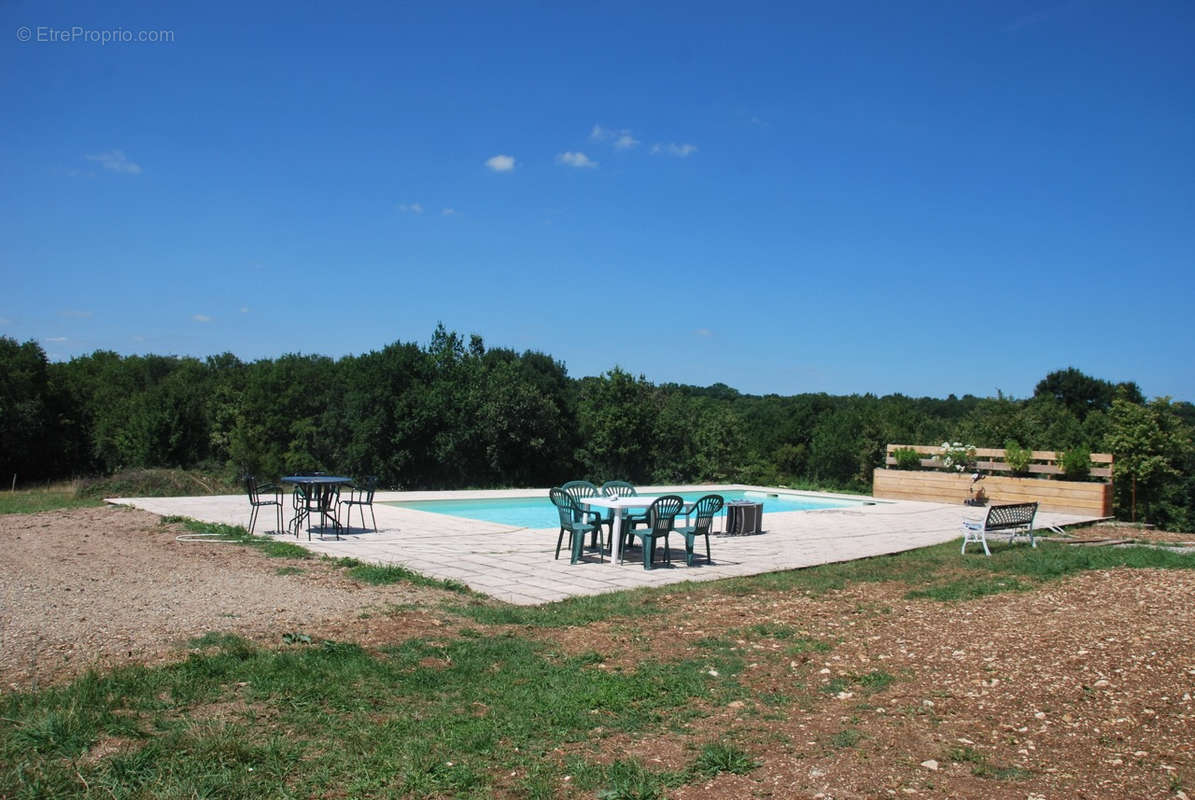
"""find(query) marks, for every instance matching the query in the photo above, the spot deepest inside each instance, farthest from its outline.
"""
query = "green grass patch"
(942, 573)
(967, 589)
(624, 779)
(806, 644)
(289, 571)
(772, 630)
(377, 574)
(719, 757)
(425, 718)
(846, 738)
(212, 531)
(870, 683)
(912, 567)
(566, 613)
(982, 768)
(875, 681)
(49, 498)
(383, 574)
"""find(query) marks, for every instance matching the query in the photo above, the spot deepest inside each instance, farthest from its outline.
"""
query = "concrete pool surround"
(516, 564)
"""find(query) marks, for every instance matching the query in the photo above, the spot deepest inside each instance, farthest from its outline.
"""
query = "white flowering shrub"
(956, 456)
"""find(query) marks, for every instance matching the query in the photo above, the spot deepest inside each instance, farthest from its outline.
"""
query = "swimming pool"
(538, 512)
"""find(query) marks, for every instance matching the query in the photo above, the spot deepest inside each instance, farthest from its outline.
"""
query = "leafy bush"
(907, 458)
(1017, 458)
(1075, 463)
(158, 483)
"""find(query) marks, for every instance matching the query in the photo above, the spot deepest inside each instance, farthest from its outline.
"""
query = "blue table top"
(316, 480)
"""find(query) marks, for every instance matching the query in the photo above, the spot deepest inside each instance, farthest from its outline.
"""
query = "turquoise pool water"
(538, 512)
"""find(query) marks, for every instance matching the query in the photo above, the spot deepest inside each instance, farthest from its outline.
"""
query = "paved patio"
(517, 565)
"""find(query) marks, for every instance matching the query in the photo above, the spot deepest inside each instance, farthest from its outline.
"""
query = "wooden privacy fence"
(991, 459)
(935, 484)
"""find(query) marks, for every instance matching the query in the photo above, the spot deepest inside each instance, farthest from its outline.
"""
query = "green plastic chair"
(579, 490)
(705, 509)
(660, 518)
(630, 521)
(572, 519)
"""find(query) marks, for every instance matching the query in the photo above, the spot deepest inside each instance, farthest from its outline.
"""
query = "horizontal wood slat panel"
(944, 487)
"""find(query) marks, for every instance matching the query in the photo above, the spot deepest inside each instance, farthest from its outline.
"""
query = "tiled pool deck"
(517, 564)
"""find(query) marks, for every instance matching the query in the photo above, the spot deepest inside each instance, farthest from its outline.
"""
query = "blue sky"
(926, 198)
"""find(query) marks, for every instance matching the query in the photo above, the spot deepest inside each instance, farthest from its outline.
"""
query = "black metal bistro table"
(323, 489)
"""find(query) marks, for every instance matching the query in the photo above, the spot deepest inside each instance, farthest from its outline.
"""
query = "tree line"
(456, 414)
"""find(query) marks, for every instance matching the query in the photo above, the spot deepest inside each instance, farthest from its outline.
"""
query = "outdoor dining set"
(585, 509)
(315, 494)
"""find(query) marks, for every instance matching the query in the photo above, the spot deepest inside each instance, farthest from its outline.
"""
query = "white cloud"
(674, 149)
(501, 163)
(116, 161)
(75, 314)
(56, 339)
(410, 208)
(575, 160)
(620, 138)
(244, 309)
(447, 212)
(703, 332)
(201, 318)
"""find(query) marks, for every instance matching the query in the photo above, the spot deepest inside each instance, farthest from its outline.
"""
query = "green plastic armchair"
(577, 522)
(705, 508)
(661, 518)
(630, 521)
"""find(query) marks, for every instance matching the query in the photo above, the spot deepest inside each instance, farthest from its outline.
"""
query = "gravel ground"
(103, 586)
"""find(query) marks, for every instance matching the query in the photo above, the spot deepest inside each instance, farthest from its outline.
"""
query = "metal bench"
(1015, 519)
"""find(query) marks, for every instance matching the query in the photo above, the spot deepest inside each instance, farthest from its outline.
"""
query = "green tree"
(1151, 445)
(616, 417)
(1082, 394)
(720, 441)
(24, 415)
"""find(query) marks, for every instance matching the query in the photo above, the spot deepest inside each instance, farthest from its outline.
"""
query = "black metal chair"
(573, 519)
(257, 499)
(661, 516)
(361, 496)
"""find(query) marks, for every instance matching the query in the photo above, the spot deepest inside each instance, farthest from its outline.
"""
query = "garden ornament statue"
(978, 496)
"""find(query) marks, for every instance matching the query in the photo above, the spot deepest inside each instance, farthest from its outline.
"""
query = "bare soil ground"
(99, 587)
(1080, 688)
